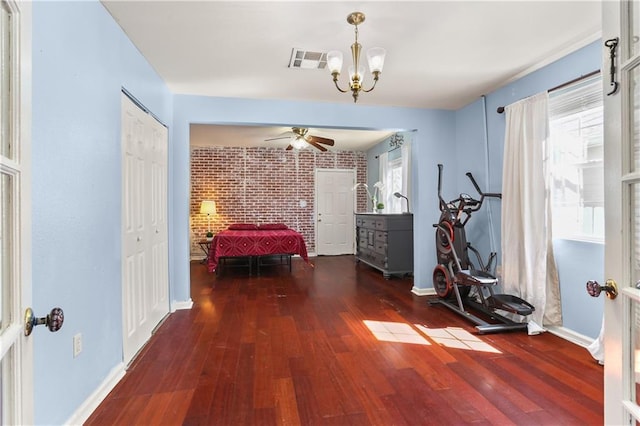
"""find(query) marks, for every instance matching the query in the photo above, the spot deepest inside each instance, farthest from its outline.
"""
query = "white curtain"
(528, 266)
(406, 172)
(384, 196)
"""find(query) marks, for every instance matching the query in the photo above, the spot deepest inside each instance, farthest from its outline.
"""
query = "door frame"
(619, 401)
(17, 349)
(319, 171)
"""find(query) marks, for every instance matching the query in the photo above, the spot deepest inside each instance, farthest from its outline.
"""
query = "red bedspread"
(230, 243)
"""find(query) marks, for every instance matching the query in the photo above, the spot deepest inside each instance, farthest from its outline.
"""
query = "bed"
(251, 244)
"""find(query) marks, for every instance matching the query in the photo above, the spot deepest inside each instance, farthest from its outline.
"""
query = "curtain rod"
(397, 147)
(500, 110)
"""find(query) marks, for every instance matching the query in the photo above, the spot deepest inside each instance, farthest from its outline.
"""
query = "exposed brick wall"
(263, 185)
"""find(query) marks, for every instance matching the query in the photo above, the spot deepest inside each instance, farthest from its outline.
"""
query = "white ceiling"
(203, 135)
(440, 54)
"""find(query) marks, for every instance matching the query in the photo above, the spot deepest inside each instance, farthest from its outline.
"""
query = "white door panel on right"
(144, 226)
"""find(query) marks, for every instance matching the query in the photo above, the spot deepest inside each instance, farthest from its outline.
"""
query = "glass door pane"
(6, 261)
(634, 28)
(6, 148)
(634, 100)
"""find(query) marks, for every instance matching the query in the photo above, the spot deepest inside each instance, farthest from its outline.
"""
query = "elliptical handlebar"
(464, 203)
(482, 194)
(443, 204)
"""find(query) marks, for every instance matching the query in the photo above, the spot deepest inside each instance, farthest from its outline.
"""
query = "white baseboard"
(90, 404)
(423, 291)
(186, 304)
(570, 335)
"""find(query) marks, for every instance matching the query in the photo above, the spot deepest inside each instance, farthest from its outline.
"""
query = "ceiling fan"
(300, 137)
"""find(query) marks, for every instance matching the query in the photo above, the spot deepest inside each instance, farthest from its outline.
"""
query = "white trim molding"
(423, 291)
(179, 305)
(90, 404)
(570, 335)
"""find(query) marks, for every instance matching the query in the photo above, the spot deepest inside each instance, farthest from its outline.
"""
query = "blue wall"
(577, 261)
(81, 59)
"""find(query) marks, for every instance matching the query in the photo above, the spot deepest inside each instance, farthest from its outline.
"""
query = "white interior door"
(334, 211)
(144, 226)
(16, 373)
(158, 229)
(621, 20)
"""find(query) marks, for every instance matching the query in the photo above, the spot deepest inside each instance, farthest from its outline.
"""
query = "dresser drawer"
(379, 259)
(381, 236)
(369, 223)
(368, 256)
(381, 247)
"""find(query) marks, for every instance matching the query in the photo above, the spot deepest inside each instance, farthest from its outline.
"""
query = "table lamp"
(208, 208)
(399, 195)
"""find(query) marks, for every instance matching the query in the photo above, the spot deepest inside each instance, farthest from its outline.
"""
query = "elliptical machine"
(456, 275)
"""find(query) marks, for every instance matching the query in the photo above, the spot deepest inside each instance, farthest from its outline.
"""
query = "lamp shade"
(375, 57)
(334, 61)
(208, 208)
(298, 143)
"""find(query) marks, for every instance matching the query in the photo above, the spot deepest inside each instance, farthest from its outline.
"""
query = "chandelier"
(375, 57)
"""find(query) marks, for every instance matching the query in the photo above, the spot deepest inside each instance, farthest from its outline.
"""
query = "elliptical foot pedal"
(475, 277)
(510, 303)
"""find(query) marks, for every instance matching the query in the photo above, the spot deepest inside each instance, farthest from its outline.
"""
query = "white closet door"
(144, 226)
(159, 300)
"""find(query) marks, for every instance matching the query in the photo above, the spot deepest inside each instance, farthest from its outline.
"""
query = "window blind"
(580, 96)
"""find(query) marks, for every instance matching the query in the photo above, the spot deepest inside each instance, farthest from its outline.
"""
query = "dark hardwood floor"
(299, 348)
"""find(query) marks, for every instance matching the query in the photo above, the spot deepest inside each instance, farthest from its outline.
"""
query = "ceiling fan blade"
(289, 148)
(319, 139)
(275, 139)
(314, 144)
(285, 135)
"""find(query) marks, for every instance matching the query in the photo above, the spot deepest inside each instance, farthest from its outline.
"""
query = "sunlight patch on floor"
(395, 332)
(451, 337)
(458, 338)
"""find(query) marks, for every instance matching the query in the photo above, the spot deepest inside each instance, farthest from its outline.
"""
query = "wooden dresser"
(385, 242)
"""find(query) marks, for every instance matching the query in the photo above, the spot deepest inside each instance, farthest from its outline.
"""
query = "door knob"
(610, 288)
(53, 320)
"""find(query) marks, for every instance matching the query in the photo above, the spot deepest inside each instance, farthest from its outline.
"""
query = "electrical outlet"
(77, 344)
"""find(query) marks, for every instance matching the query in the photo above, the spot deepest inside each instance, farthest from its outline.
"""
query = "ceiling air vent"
(307, 59)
